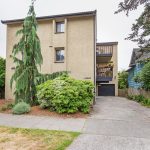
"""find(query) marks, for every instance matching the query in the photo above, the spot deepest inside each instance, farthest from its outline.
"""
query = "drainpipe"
(95, 40)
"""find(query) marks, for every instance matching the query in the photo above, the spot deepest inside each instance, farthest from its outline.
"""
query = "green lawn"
(27, 139)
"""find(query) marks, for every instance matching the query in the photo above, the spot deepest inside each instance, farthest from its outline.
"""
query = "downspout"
(95, 39)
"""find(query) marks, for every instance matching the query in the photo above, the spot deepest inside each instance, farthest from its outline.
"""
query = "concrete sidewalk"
(44, 122)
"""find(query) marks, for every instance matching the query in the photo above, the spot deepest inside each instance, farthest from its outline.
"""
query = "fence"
(132, 91)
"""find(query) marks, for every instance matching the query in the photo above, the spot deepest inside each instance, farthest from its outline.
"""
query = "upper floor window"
(60, 27)
(59, 55)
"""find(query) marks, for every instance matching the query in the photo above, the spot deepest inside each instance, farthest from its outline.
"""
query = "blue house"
(136, 66)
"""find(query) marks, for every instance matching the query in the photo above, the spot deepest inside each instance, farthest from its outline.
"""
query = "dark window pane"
(60, 27)
(59, 55)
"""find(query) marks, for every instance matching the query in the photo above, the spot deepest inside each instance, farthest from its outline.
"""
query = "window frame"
(56, 29)
(59, 49)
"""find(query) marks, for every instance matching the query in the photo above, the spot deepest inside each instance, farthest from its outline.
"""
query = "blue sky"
(110, 27)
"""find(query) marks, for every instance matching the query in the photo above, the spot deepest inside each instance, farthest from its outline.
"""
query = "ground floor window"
(59, 54)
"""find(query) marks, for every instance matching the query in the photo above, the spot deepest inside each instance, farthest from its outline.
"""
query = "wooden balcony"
(104, 74)
(104, 53)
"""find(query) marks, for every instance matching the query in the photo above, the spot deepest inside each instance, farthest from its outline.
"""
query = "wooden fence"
(132, 91)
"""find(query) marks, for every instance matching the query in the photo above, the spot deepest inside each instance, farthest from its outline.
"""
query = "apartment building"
(68, 43)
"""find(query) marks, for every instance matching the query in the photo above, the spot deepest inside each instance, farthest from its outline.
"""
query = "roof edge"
(86, 13)
(107, 43)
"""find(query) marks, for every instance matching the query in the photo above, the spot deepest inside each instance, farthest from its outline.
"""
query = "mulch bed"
(3, 102)
(37, 111)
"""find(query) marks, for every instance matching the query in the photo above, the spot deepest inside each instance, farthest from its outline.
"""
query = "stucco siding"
(80, 58)
(77, 41)
(12, 39)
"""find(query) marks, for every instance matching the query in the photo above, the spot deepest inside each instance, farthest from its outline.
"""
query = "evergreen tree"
(141, 30)
(129, 5)
(26, 68)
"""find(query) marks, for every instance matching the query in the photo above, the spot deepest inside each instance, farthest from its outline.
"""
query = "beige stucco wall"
(115, 68)
(77, 40)
(114, 59)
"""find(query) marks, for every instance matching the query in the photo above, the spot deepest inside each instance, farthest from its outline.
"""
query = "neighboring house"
(68, 43)
(136, 66)
(107, 69)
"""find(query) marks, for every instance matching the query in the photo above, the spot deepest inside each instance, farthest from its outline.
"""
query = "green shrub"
(7, 107)
(145, 76)
(21, 108)
(123, 79)
(140, 99)
(10, 106)
(146, 102)
(3, 108)
(130, 97)
(2, 77)
(66, 95)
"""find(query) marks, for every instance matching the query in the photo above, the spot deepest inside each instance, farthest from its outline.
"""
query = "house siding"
(132, 73)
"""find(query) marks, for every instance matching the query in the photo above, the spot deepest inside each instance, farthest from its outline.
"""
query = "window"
(60, 27)
(59, 55)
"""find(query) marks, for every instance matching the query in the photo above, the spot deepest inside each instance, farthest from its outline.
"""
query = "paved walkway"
(44, 122)
(115, 124)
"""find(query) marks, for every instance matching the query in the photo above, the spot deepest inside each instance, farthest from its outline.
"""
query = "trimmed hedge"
(66, 95)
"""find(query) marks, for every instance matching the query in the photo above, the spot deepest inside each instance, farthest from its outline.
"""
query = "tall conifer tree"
(26, 67)
(129, 5)
(141, 30)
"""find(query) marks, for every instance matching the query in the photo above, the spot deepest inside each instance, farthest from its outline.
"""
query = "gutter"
(87, 13)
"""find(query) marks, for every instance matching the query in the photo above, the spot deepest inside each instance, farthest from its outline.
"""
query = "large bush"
(140, 99)
(123, 80)
(143, 77)
(21, 108)
(2, 77)
(66, 95)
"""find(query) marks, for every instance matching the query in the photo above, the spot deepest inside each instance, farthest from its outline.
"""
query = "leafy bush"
(2, 77)
(144, 76)
(7, 107)
(140, 99)
(10, 106)
(66, 95)
(137, 78)
(130, 97)
(3, 108)
(146, 102)
(21, 108)
(123, 80)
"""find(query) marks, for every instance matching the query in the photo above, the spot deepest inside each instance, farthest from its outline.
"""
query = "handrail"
(104, 50)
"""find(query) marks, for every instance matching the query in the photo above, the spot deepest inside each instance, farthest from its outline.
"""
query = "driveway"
(115, 124)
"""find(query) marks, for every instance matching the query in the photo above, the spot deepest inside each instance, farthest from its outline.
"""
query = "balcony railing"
(104, 51)
(104, 74)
